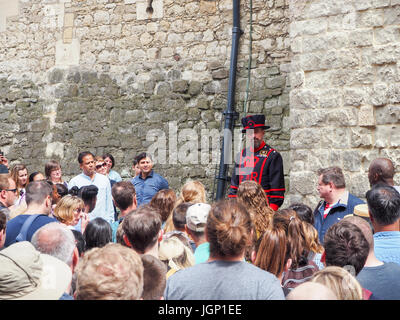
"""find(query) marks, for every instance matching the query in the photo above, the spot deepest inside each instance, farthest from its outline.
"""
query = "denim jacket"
(343, 207)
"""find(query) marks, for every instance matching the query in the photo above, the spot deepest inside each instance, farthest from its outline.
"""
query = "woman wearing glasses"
(112, 174)
(102, 168)
(53, 173)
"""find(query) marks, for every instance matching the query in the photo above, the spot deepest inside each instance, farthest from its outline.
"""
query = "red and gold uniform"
(263, 165)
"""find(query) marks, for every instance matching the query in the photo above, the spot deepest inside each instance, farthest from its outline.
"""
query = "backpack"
(25, 227)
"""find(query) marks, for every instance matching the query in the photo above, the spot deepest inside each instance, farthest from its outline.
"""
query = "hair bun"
(74, 191)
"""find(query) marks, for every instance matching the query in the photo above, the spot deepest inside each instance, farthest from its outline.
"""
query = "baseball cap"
(196, 216)
(27, 274)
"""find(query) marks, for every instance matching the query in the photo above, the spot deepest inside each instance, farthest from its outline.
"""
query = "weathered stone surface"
(344, 86)
(100, 75)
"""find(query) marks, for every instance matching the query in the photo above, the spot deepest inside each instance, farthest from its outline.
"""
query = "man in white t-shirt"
(104, 206)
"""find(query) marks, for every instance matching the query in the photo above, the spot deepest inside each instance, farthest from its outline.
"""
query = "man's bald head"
(381, 170)
(311, 291)
(365, 228)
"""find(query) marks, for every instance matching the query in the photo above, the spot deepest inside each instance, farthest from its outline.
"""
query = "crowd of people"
(102, 237)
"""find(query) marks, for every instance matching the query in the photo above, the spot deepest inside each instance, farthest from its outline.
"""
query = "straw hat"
(27, 274)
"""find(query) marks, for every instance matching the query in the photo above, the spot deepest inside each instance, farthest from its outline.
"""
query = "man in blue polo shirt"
(147, 183)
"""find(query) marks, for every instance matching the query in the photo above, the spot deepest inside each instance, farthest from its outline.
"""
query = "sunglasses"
(12, 190)
(101, 165)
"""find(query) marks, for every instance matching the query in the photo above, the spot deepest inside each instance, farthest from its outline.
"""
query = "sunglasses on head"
(101, 165)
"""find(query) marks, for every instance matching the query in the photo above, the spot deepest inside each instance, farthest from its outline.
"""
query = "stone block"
(335, 137)
(363, 4)
(101, 17)
(304, 138)
(275, 82)
(354, 96)
(346, 116)
(382, 136)
(387, 34)
(180, 86)
(307, 118)
(68, 20)
(351, 160)
(220, 74)
(68, 35)
(212, 87)
(366, 116)
(387, 73)
(67, 54)
(361, 38)
(302, 183)
(389, 114)
(391, 16)
(395, 136)
(379, 94)
(55, 149)
(380, 3)
(370, 18)
(304, 99)
(55, 76)
(360, 137)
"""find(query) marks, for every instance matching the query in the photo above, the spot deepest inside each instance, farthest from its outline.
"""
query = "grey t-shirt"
(383, 281)
(223, 280)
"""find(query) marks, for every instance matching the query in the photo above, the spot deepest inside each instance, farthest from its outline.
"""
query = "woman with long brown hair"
(298, 247)
(164, 201)
(252, 196)
(225, 275)
(19, 173)
(273, 252)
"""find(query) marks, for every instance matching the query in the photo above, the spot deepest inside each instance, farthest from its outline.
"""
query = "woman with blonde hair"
(192, 191)
(341, 282)
(252, 196)
(69, 210)
(175, 255)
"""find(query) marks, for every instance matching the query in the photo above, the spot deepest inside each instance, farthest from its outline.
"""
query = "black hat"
(254, 121)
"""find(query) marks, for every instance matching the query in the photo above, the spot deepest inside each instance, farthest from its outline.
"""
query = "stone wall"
(344, 99)
(102, 75)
